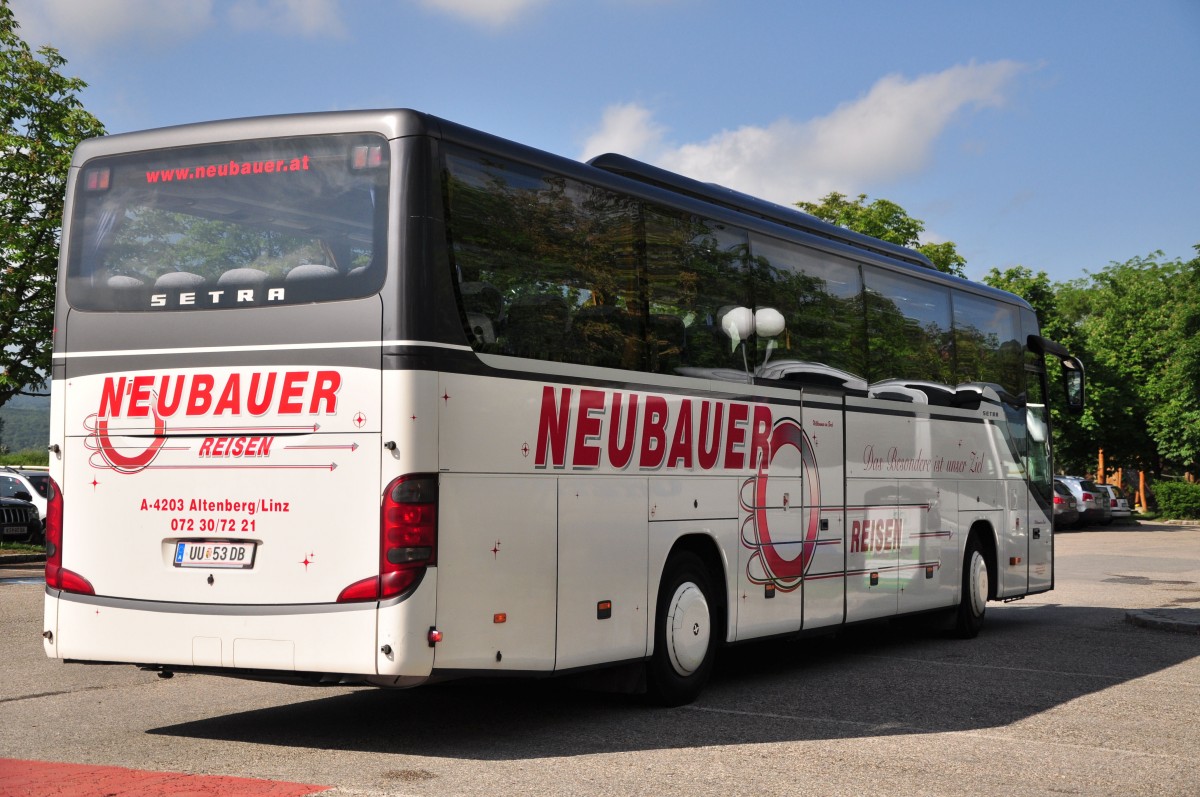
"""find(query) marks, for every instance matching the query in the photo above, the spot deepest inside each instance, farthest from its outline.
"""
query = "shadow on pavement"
(879, 680)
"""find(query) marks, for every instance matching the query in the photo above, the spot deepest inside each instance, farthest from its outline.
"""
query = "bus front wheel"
(685, 639)
(973, 604)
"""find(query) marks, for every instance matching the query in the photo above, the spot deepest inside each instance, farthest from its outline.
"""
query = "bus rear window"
(242, 224)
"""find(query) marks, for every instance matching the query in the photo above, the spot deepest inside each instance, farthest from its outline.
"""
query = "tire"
(685, 633)
(972, 604)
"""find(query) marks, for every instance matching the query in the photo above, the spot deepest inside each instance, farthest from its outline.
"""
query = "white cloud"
(627, 129)
(94, 24)
(885, 134)
(309, 18)
(494, 13)
(91, 25)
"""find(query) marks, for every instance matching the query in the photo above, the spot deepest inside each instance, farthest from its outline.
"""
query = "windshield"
(249, 223)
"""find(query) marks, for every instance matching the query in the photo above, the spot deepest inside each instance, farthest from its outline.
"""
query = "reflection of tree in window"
(820, 299)
(560, 255)
(987, 344)
(694, 270)
(151, 242)
(908, 329)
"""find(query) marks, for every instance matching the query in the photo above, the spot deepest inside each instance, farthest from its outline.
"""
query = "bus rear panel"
(218, 395)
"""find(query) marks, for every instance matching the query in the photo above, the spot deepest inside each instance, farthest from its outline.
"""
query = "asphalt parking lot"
(1062, 693)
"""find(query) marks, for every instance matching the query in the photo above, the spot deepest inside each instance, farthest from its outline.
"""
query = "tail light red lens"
(57, 576)
(1058, 499)
(407, 539)
(1088, 497)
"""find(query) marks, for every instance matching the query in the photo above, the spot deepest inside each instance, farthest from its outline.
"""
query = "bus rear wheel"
(685, 639)
(972, 605)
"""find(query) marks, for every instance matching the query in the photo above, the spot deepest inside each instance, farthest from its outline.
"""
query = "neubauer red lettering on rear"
(227, 401)
(191, 395)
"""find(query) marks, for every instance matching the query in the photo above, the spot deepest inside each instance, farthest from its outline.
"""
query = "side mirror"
(1073, 383)
(1072, 369)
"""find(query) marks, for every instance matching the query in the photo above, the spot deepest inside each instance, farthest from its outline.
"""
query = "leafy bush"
(27, 458)
(1178, 499)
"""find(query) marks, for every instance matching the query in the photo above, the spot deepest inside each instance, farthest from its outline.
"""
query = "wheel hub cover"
(688, 629)
(979, 583)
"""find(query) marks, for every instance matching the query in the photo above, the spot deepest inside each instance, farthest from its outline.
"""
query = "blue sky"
(1058, 134)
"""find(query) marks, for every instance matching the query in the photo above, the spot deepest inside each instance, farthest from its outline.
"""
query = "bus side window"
(483, 305)
(535, 326)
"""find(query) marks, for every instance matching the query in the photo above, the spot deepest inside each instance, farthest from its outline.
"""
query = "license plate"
(15, 531)
(214, 553)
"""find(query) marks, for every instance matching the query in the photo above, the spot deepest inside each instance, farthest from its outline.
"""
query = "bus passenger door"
(1041, 486)
(770, 573)
(824, 508)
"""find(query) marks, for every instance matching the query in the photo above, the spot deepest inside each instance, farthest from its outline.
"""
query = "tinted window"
(987, 342)
(820, 298)
(250, 223)
(555, 269)
(908, 328)
(552, 268)
(547, 267)
(694, 275)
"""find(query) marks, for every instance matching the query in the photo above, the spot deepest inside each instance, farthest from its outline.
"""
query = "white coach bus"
(374, 398)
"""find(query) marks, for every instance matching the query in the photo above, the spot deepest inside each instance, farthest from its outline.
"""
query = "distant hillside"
(29, 402)
(26, 423)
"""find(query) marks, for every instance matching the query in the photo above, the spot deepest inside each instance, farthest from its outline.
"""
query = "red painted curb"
(51, 779)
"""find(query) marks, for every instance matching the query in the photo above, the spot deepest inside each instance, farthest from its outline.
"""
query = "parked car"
(1066, 508)
(1093, 503)
(15, 484)
(20, 522)
(1118, 502)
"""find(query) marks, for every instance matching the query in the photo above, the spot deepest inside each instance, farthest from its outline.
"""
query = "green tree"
(887, 221)
(1142, 321)
(1136, 327)
(1039, 291)
(43, 121)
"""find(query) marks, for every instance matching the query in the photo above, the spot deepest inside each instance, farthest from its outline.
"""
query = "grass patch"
(21, 547)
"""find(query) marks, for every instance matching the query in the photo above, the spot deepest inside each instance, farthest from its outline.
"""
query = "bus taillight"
(57, 576)
(407, 539)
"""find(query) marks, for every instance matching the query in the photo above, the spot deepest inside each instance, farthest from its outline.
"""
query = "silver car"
(1093, 502)
(1118, 503)
(1066, 508)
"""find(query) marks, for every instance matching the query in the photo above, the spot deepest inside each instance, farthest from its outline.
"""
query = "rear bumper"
(315, 643)
(1067, 518)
